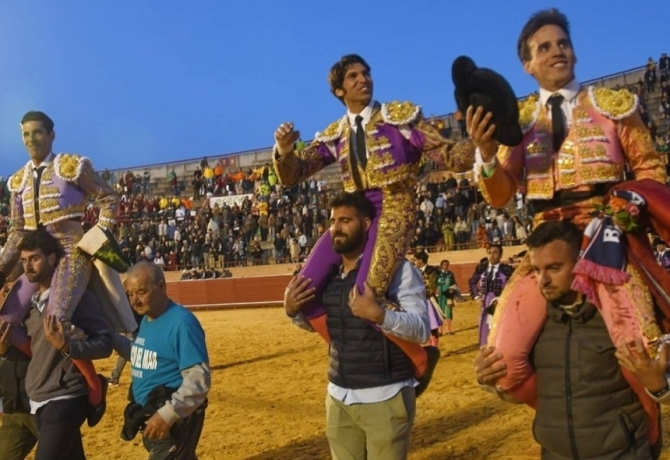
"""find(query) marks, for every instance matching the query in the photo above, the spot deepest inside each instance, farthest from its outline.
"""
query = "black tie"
(361, 152)
(37, 176)
(489, 280)
(557, 121)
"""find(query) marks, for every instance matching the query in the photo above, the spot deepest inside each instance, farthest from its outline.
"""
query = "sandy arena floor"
(268, 389)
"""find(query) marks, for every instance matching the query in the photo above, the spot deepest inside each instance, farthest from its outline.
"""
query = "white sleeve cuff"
(482, 166)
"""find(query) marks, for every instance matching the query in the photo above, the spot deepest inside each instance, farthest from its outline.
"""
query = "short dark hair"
(422, 256)
(444, 260)
(35, 115)
(536, 22)
(562, 230)
(356, 200)
(42, 240)
(496, 245)
(339, 70)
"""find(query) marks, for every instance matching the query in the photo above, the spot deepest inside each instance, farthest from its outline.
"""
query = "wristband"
(659, 394)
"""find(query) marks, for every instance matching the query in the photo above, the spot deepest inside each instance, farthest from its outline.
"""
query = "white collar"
(366, 113)
(569, 92)
(48, 159)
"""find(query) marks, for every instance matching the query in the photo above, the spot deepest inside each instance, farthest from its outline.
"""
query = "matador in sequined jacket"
(67, 184)
(605, 138)
(396, 138)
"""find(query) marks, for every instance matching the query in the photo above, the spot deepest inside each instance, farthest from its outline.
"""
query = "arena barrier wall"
(258, 291)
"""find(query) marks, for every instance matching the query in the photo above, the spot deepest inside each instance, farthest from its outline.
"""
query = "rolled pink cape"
(522, 319)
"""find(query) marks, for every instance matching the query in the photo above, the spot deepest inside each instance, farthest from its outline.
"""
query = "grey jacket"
(585, 407)
(50, 373)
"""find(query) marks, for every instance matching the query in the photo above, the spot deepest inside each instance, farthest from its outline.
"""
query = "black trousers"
(59, 429)
(182, 441)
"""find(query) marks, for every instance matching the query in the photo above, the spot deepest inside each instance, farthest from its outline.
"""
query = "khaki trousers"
(375, 431)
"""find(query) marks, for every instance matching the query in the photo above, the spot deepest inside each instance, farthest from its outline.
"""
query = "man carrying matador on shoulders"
(379, 148)
(52, 191)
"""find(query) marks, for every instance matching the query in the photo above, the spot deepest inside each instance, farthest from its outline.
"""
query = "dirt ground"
(268, 390)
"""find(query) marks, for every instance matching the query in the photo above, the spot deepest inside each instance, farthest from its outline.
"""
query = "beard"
(559, 297)
(33, 277)
(343, 243)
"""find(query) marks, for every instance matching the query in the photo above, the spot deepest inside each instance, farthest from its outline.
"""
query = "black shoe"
(94, 413)
(424, 380)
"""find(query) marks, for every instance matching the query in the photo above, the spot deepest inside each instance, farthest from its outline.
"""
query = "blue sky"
(137, 82)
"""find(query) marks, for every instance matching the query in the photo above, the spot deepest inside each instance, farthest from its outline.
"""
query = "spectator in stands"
(495, 234)
(460, 203)
(218, 170)
(520, 232)
(460, 119)
(146, 178)
(652, 129)
(507, 230)
(462, 231)
(129, 183)
(427, 206)
(197, 177)
(451, 182)
(174, 183)
(294, 250)
(482, 236)
(664, 108)
(280, 248)
(664, 66)
(107, 176)
(665, 89)
(662, 253)
(208, 175)
(302, 241)
(650, 78)
(256, 252)
(159, 260)
(449, 235)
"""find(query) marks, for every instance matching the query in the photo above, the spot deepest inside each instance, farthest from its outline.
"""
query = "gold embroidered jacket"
(67, 184)
(607, 135)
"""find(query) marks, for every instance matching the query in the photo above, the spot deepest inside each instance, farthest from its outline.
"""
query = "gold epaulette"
(400, 113)
(529, 110)
(68, 166)
(614, 104)
(333, 132)
(17, 181)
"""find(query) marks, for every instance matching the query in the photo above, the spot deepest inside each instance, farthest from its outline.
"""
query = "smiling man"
(577, 143)
(379, 148)
(577, 140)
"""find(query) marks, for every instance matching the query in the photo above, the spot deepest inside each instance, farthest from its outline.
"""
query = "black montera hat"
(484, 87)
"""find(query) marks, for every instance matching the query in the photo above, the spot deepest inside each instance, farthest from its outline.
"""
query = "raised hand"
(285, 137)
(477, 122)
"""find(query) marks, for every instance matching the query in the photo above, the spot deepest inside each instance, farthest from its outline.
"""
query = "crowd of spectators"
(274, 224)
(655, 85)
